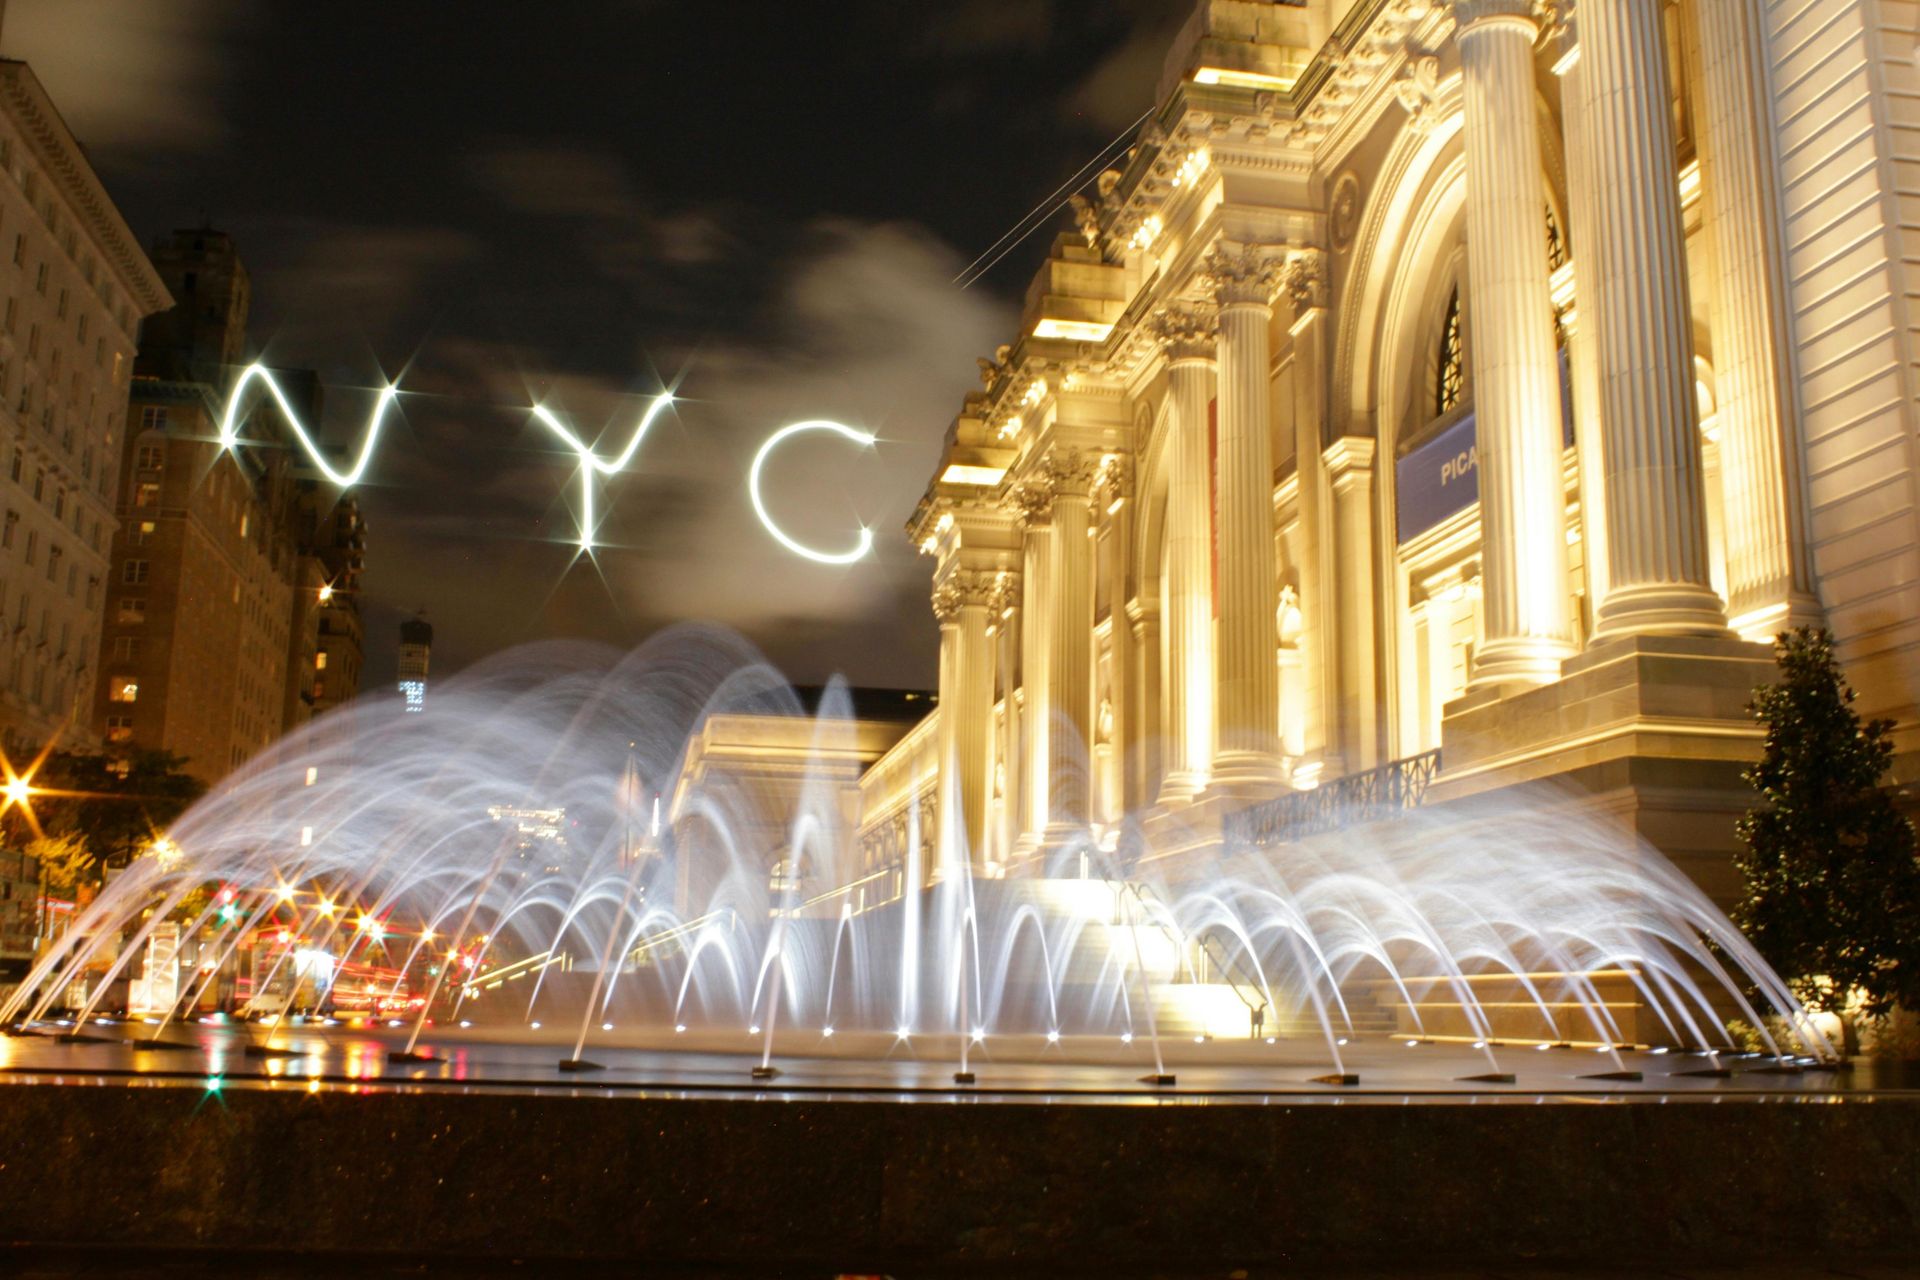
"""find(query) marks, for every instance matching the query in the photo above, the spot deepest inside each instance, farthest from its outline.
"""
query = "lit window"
(1453, 374)
(147, 495)
(119, 728)
(123, 689)
(320, 661)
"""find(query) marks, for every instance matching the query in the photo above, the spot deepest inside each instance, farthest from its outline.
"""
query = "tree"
(118, 804)
(1832, 878)
(65, 862)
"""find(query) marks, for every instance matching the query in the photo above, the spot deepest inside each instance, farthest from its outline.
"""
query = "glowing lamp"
(1073, 330)
(961, 473)
(1242, 79)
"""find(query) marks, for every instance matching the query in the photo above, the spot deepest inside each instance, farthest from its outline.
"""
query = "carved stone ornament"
(1031, 500)
(1006, 594)
(1071, 472)
(1343, 211)
(1115, 481)
(959, 590)
(1242, 273)
(1186, 332)
(1418, 89)
(1305, 279)
(1087, 215)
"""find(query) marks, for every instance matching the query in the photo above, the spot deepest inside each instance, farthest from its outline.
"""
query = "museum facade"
(1438, 397)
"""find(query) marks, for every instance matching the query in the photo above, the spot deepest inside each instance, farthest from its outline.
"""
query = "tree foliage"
(116, 806)
(1832, 879)
(65, 862)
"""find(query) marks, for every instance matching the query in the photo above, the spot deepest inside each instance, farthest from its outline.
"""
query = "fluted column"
(1589, 436)
(1656, 501)
(1113, 513)
(1189, 336)
(966, 706)
(1004, 616)
(1306, 288)
(1769, 565)
(1035, 505)
(1246, 680)
(1070, 644)
(1349, 464)
(1516, 372)
(1143, 692)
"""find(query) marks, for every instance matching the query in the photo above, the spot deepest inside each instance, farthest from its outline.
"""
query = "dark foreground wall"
(927, 1187)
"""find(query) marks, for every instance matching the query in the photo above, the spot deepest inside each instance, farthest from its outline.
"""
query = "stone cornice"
(59, 154)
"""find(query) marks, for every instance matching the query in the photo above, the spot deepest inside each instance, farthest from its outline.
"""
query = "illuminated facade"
(1486, 377)
(73, 288)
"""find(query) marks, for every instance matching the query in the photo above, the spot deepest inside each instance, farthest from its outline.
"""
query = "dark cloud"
(764, 206)
(138, 80)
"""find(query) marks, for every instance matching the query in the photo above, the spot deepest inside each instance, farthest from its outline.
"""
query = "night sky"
(763, 204)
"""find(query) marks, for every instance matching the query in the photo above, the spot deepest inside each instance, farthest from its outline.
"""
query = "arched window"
(1556, 243)
(1453, 379)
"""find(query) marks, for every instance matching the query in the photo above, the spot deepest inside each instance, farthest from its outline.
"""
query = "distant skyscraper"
(416, 643)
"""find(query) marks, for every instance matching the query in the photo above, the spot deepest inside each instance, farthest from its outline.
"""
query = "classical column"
(1034, 501)
(1656, 502)
(1305, 284)
(1004, 612)
(1070, 644)
(1143, 690)
(1247, 702)
(1349, 463)
(1516, 370)
(1769, 564)
(966, 706)
(1113, 510)
(1589, 435)
(1189, 338)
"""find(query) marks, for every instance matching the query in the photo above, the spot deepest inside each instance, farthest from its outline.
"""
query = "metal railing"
(644, 950)
(1359, 797)
(1156, 914)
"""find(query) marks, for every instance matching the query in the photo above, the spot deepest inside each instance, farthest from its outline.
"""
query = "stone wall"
(929, 1188)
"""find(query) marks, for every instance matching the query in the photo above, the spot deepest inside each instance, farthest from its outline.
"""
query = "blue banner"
(1442, 477)
(1438, 479)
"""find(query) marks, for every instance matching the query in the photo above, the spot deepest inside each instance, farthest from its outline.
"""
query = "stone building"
(73, 288)
(1481, 378)
(233, 570)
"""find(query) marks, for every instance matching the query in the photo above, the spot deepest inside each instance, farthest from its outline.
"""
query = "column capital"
(1114, 483)
(1031, 501)
(963, 589)
(1243, 274)
(1304, 278)
(1187, 333)
(1005, 597)
(1349, 454)
(1468, 14)
(1069, 472)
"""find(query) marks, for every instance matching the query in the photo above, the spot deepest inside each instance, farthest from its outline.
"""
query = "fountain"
(531, 856)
